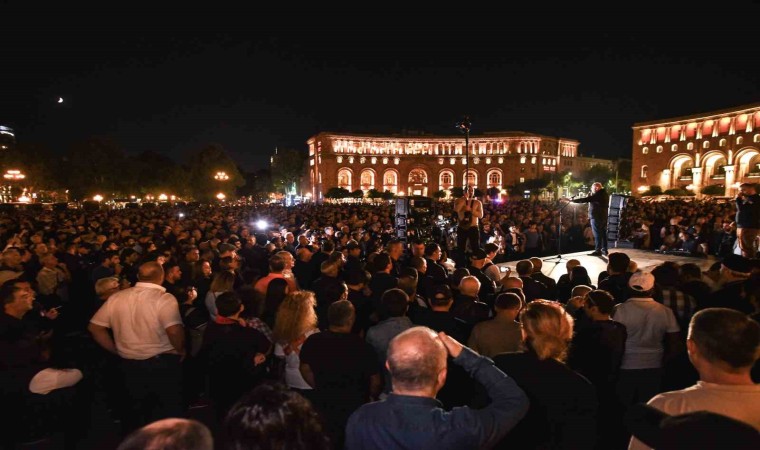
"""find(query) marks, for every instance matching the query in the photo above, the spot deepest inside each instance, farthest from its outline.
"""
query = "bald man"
(170, 433)
(149, 338)
(411, 417)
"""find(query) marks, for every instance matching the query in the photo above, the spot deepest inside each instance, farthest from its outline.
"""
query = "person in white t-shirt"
(653, 337)
(149, 337)
(723, 346)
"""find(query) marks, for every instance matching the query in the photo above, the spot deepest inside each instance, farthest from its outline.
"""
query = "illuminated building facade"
(718, 148)
(423, 164)
(7, 138)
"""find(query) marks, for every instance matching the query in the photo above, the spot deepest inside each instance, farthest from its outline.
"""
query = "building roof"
(417, 136)
(704, 115)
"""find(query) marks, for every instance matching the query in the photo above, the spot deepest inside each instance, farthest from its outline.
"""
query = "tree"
(440, 195)
(258, 185)
(598, 173)
(388, 195)
(714, 189)
(357, 194)
(374, 194)
(335, 193)
(678, 192)
(94, 166)
(457, 191)
(654, 190)
(287, 169)
(204, 164)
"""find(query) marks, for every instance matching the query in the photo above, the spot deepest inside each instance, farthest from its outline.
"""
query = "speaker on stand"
(616, 225)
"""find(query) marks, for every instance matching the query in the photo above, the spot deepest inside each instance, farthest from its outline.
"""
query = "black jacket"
(598, 204)
(748, 211)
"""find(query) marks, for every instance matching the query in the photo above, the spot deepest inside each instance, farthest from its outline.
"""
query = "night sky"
(254, 81)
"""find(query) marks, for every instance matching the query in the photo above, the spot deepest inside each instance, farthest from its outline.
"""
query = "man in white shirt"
(149, 337)
(649, 325)
(723, 346)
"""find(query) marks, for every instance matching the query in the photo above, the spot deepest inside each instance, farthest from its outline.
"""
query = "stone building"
(422, 164)
(692, 152)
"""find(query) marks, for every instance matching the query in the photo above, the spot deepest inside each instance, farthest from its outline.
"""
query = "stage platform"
(646, 259)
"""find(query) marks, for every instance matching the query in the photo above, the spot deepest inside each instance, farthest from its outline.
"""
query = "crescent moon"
(60, 99)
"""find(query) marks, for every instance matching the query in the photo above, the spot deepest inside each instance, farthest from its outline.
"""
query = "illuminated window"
(722, 143)
(522, 160)
(674, 148)
(645, 150)
(739, 140)
(706, 144)
(756, 138)
(522, 180)
(644, 170)
(690, 146)
(533, 160)
(659, 149)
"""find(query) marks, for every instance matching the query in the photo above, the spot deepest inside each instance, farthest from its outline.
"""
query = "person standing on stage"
(747, 219)
(598, 204)
(470, 211)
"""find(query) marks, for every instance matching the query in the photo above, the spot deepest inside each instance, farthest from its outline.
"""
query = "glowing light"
(643, 188)
(690, 187)
(221, 196)
(221, 176)
(14, 175)
(181, 215)
(262, 224)
(173, 197)
(162, 197)
(98, 198)
(24, 199)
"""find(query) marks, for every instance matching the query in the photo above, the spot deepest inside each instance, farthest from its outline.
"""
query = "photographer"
(469, 211)
(747, 219)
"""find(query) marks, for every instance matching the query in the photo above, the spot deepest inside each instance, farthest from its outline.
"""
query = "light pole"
(464, 126)
(13, 175)
(221, 176)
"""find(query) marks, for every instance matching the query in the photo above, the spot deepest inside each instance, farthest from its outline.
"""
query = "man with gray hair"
(598, 205)
(412, 418)
(170, 434)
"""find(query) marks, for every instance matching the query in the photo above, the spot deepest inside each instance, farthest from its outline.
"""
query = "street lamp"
(221, 176)
(221, 196)
(464, 126)
(98, 198)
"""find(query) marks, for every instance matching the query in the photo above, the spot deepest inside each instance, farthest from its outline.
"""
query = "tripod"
(557, 259)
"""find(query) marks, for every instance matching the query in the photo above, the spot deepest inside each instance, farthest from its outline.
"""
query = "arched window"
(756, 138)
(659, 149)
(445, 180)
(645, 150)
(722, 143)
(418, 176)
(494, 178)
(706, 144)
(739, 140)
(674, 148)
(644, 170)
(390, 181)
(471, 178)
(367, 179)
(690, 146)
(344, 179)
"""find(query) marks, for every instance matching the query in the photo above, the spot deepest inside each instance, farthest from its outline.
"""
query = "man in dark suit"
(598, 205)
(532, 288)
(434, 270)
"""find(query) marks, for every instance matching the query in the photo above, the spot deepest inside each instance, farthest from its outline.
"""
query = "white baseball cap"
(641, 281)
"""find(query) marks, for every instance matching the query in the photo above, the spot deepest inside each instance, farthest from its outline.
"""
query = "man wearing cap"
(723, 346)
(649, 325)
(747, 219)
(598, 204)
(734, 292)
(487, 285)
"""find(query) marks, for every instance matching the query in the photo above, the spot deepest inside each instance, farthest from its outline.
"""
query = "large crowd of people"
(317, 326)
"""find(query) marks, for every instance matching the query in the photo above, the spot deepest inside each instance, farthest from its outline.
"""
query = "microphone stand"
(557, 259)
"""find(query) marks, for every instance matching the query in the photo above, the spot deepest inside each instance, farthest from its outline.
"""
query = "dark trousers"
(153, 390)
(471, 234)
(599, 228)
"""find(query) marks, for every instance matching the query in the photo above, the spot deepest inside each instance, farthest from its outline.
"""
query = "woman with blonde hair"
(295, 321)
(222, 282)
(563, 403)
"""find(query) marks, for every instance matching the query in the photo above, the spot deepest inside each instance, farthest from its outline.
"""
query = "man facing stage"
(598, 204)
